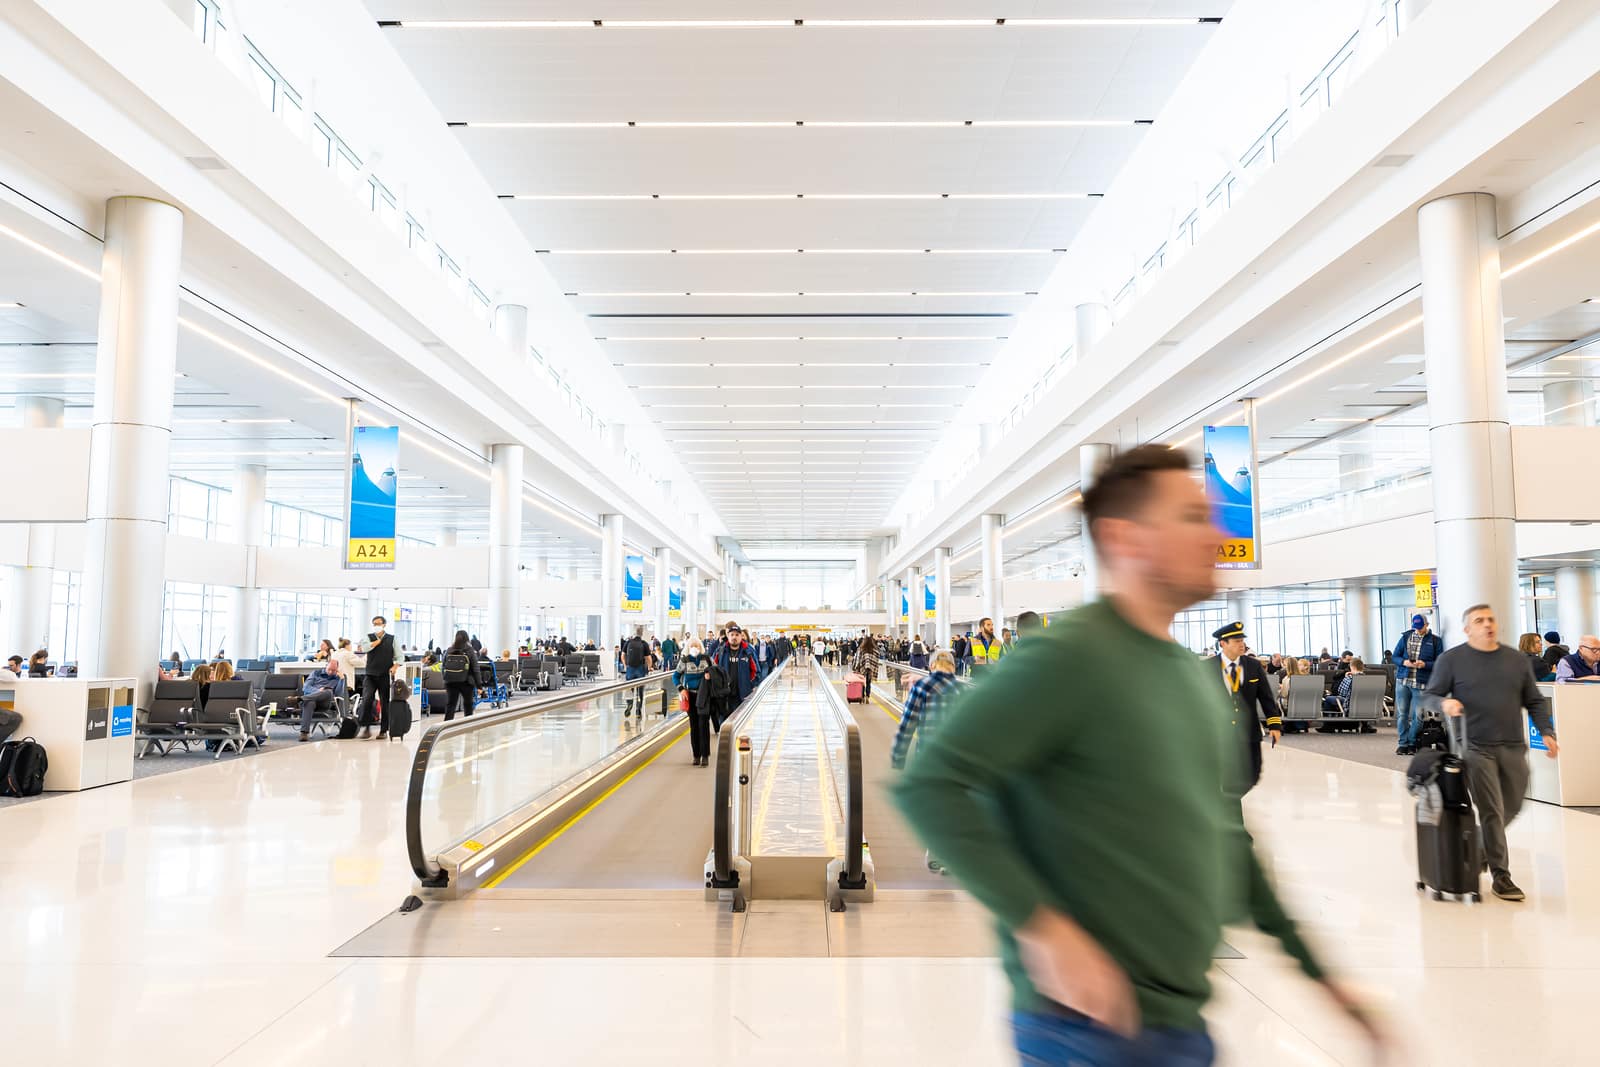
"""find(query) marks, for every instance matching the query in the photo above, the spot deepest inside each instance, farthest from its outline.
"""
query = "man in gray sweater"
(1491, 684)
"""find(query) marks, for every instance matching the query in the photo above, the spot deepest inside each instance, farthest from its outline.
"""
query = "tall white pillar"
(691, 601)
(33, 583)
(505, 546)
(1567, 403)
(1469, 435)
(1092, 459)
(665, 624)
(1360, 633)
(611, 534)
(1093, 322)
(891, 606)
(249, 530)
(1575, 607)
(941, 598)
(130, 440)
(993, 582)
(1239, 601)
(511, 326)
(913, 588)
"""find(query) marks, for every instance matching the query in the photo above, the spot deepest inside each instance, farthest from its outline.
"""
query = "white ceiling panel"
(723, 350)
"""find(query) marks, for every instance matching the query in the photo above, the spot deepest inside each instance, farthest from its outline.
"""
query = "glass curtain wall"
(1299, 627)
(195, 620)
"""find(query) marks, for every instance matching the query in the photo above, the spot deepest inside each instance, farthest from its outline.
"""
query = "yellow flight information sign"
(370, 552)
(1424, 589)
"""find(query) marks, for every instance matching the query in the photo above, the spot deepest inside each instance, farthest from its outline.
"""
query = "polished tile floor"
(189, 919)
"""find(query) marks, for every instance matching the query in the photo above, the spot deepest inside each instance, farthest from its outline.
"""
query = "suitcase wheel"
(1420, 886)
(1437, 895)
(1477, 898)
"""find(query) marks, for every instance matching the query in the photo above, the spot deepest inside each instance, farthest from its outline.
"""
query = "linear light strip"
(824, 124)
(837, 296)
(803, 338)
(696, 197)
(792, 24)
(799, 251)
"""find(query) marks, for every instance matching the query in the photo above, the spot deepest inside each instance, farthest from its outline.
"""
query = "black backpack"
(348, 726)
(23, 764)
(457, 666)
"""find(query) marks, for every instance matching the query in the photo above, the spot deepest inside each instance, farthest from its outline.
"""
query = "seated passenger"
(324, 652)
(1291, 668)
(175, 665)
(1340, 704)
(202, 678)
(38, 664)
(222, 671)
(321, 690)
(1581, 666)
(14, 665)
(1532, 646)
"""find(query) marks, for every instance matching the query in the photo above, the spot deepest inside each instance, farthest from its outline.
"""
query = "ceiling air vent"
(1392, 161)
(206, 163)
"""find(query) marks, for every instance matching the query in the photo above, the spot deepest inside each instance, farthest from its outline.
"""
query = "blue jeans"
(638, 694)
(1407, 712)
(1059, 1039)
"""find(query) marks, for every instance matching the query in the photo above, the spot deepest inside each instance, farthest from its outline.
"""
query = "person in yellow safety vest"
(987, 649)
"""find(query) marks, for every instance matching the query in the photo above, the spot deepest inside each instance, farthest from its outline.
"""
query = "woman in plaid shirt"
(921, 711)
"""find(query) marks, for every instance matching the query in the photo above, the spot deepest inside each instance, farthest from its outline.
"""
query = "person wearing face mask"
(738, 662)
(691, 671)
(1414, 655)
(379, 649)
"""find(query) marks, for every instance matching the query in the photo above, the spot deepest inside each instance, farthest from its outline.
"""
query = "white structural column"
(1567, 403)
(611, 534)
(505, 545)
(1469, 433)
(1239, 601)
(913, 588)
(1093, 322)
(664, 621)
(896, 587)
(445, 630)
(130, 441)
(249, 530)
(33, 584)
(691, 600)
(993, 552)
(1575, 606)
(511, 326)
(1092, 459)
(941, 595)
(1360, 633)
(891, 606)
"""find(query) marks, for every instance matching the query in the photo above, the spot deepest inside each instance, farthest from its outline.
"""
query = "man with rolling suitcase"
(1490, 684)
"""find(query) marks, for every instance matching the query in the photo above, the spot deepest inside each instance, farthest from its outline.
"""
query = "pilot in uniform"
(1247, 683)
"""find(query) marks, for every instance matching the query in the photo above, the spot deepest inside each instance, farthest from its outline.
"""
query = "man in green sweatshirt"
(1095, 809)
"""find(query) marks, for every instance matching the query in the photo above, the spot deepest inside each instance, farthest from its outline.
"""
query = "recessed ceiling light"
(10, 306)
(792, 23)
(840, 295)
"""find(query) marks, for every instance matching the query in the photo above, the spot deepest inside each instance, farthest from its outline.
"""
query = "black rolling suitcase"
(1449, 854)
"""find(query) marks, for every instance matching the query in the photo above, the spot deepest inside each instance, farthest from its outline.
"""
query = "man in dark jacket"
(738, 661)
(1554, 650)
(1414, 655)
(636, 662)
(1249, 689)
(379, 649)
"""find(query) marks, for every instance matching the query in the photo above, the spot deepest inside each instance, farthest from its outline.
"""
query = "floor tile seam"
(270, 1023)
(1221, 965)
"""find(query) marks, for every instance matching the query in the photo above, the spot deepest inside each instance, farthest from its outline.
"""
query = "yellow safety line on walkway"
(595, 803)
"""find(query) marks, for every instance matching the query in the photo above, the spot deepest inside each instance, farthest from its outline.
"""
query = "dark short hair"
(1028, 622)
(984, 620)
(380, 618)
(1118, 491)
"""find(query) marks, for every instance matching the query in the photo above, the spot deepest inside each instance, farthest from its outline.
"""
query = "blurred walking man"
(1110, 871)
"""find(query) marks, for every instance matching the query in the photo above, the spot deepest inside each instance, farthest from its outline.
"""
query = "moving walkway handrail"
(722, 843)
(421, 863)
(854, 821)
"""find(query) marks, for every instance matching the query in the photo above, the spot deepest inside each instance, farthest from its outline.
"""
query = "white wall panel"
(1546, 466)
(57, 475)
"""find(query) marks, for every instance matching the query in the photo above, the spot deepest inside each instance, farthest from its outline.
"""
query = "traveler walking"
(920, 716)
(738, 662)
(1248, 689)
(690, 672)
(380, 665)
(1109, 877)
(987, 649)
(635, 656)
(918, 655)
(460, 669)
(669, 653)
(1491, 684)
(1028, 624)
(961, 649)
(866, 664)
(1583, 665)
(763, 658)
(1415, 653)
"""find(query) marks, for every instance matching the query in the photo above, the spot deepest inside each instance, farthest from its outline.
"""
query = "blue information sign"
(633, 584)
(374, 487)
(122, 720)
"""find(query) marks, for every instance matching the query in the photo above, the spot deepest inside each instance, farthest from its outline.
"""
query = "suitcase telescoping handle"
(1455, 733)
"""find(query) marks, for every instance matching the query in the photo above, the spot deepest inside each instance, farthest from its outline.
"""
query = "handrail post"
(745, 794)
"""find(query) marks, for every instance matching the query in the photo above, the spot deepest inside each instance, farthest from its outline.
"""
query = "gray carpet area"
(1376, 750)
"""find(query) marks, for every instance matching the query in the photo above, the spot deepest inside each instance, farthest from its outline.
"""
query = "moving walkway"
(575, 792)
